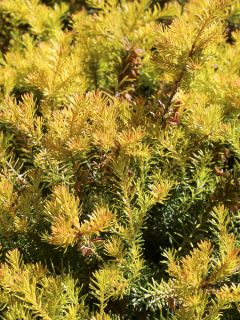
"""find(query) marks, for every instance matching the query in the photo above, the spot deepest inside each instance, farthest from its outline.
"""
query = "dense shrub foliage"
(119, 160)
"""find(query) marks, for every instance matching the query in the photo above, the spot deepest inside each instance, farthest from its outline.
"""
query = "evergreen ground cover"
(119, 160)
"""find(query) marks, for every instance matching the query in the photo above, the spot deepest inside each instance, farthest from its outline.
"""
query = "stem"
(184, 68)
(20, 176)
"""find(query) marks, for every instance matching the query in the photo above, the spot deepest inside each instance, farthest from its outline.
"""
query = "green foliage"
(30, 292)
(119, 145)
(199, 286)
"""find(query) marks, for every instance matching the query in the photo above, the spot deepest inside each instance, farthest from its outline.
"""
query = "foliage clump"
(119, 160)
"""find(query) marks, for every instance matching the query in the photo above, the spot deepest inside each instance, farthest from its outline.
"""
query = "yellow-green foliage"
(199, 287)
(30, 292)
(120, 145)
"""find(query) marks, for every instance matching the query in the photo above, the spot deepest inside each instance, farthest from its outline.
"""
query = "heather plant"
(119, 160)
